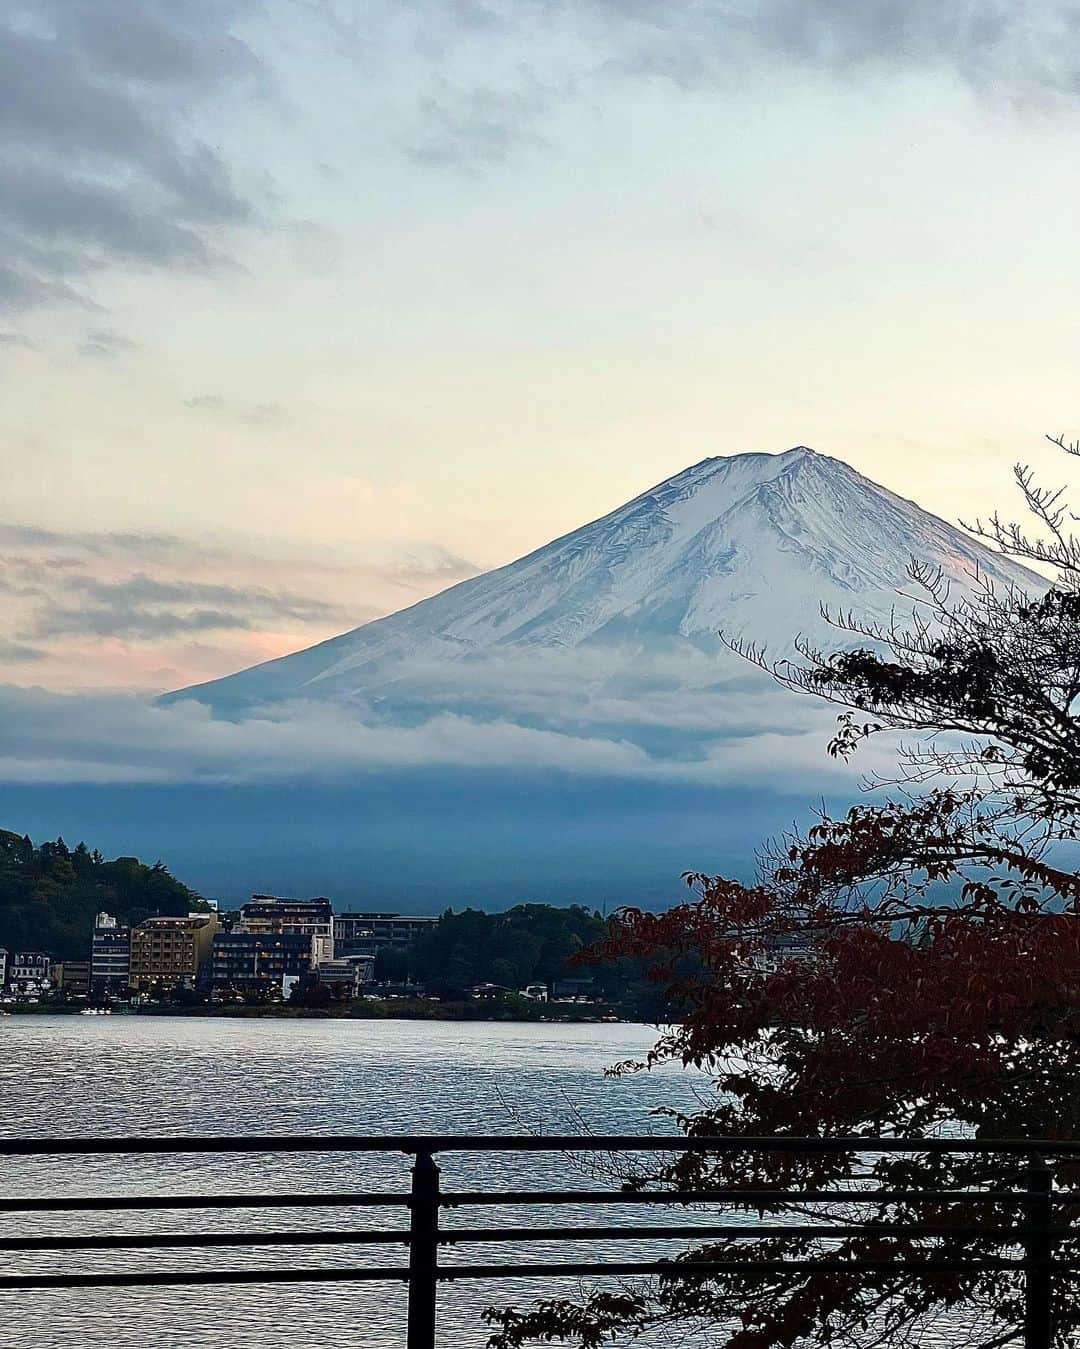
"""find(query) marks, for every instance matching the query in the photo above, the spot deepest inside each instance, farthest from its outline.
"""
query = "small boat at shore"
(96, 1011)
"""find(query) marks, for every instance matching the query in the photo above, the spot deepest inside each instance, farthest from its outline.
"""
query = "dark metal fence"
(1026, 1224)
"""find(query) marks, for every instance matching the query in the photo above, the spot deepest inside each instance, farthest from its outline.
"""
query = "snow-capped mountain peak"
(752, 544)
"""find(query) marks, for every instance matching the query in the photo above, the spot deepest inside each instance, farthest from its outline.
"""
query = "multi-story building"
(73, 976)
(28, 972)
(347, 975)
(110, 955)
(170, 951)
(362, 934)
(258, 962)
(3, 966)
(265, 914)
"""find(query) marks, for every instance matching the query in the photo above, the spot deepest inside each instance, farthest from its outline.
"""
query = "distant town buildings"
(262, 951)
(363, 934)
(169, 952)
(28, 973)
(257, 963)
(110, 955)
(267, 914)
(347, 976)
(270, 942)
(72, 977)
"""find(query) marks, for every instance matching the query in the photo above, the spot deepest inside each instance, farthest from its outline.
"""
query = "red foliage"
(820, 1013)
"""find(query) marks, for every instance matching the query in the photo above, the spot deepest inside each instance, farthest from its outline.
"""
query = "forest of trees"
(530, 943)
(49, 894)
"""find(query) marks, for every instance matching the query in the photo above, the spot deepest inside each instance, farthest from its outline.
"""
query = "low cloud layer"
(675, 716)
(123, 738)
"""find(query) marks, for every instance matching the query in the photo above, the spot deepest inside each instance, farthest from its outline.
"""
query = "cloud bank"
(748, 734)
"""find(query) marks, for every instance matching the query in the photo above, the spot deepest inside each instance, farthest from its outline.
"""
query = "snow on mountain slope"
(617, 619)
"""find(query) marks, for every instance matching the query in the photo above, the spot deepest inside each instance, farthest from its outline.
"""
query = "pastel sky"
(310, 308)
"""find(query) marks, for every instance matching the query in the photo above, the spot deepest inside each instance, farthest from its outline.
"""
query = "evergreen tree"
(50, 894)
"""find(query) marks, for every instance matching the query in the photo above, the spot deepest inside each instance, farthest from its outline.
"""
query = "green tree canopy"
(530, 943)
(50, 893)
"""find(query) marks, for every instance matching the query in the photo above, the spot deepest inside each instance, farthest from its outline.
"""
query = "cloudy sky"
(309, 308)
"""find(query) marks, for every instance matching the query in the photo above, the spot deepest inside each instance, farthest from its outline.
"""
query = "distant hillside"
(49, 894)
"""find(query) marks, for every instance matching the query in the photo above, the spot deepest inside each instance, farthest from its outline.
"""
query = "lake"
(196, 1075)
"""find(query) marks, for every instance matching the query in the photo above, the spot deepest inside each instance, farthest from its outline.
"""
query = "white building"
(28, 973)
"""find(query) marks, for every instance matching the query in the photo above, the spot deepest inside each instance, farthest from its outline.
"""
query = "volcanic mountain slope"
(752, 544)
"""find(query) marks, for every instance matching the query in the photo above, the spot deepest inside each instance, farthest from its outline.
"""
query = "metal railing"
(1034, 1238)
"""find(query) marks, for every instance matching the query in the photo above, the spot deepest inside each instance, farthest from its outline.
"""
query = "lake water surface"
(190, 1075)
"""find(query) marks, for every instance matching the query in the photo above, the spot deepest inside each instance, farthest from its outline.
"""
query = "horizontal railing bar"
(181, 1278)
(413, 1143)
(159, 1241)
(752, 1197)
(450, 1273)
(91, 1203)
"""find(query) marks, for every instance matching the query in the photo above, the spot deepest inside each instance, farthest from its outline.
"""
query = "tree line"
(49, 894)
(527, 944)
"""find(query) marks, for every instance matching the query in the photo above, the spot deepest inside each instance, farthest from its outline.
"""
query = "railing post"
(1038, 1249)
(423, 1251)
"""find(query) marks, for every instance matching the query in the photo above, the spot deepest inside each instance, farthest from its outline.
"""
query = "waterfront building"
(28, 972)
(572, 989)
(170, 951)
(110, 955)
(347, 975)
(3, 967)
(322, 948)
(73, 976)
(258, 962)
(362, 934)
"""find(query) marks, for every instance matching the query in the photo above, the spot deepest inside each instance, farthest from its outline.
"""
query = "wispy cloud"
(143, 607)
(20, 653)
(483, 101)
(481, 127)
(104, 344)
(264, 416)
(160, 610)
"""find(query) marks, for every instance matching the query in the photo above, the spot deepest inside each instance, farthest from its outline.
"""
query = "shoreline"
(395, 1009)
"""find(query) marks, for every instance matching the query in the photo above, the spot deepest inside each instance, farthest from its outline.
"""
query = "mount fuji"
(567, 727)
(616, 624)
